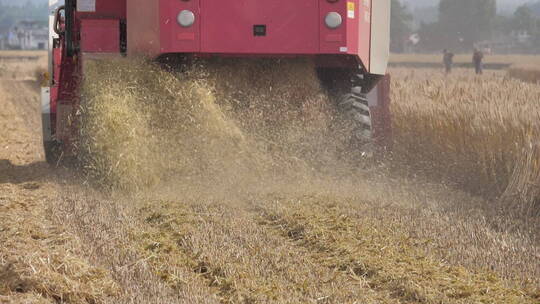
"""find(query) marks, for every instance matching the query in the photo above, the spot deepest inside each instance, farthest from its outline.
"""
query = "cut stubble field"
(289, 220)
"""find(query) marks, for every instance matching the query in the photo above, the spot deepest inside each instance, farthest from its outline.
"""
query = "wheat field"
(241, 189)
(480, 133)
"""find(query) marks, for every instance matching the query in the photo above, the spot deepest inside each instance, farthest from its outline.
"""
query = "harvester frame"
(347, 39)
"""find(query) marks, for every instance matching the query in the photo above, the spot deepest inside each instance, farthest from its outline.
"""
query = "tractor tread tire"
(356, 106)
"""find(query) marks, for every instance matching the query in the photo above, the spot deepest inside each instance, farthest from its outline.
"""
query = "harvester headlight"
(333, 20)
(186, 18)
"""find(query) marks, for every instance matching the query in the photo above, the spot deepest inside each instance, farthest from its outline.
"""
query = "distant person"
(478, 57)
(448, 60)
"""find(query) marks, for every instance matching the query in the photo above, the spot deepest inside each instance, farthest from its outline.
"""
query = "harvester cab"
(347, 39)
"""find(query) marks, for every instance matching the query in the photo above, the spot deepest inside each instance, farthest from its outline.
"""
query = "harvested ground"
(291, 232)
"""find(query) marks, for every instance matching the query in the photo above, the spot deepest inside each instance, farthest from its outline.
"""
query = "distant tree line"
(10, 14)
(463, 23)
(525, 21)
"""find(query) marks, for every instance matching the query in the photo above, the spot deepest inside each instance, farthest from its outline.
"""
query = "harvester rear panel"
(347, 39)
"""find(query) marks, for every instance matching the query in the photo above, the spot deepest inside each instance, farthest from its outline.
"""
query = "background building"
(27, 35)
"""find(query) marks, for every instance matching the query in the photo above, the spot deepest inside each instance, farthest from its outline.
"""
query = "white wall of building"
(28, 36)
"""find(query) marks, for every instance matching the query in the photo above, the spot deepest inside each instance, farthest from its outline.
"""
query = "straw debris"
(142, 125)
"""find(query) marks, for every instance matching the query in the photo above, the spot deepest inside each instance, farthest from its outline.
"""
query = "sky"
(22, 2)
(502, 4)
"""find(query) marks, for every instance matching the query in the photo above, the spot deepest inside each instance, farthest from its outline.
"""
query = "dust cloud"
(217, 121)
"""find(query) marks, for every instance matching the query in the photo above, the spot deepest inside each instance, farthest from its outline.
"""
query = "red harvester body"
(346, 38)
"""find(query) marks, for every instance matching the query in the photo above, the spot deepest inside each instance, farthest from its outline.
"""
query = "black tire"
(53, 152)
(355, 106)
(347, 87)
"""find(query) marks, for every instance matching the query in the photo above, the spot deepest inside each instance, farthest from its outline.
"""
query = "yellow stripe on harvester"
(350, 10)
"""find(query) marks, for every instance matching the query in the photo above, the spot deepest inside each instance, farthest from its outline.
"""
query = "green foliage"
(400, 25)
(10, 13)
(467, 21)
(524, 20)
(535, 7)
(461, 24)
(503, 25)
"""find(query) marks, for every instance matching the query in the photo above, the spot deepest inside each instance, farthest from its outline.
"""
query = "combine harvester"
(347, 39)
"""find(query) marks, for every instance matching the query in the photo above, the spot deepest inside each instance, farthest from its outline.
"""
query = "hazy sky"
(501, 3)
(22, 2)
